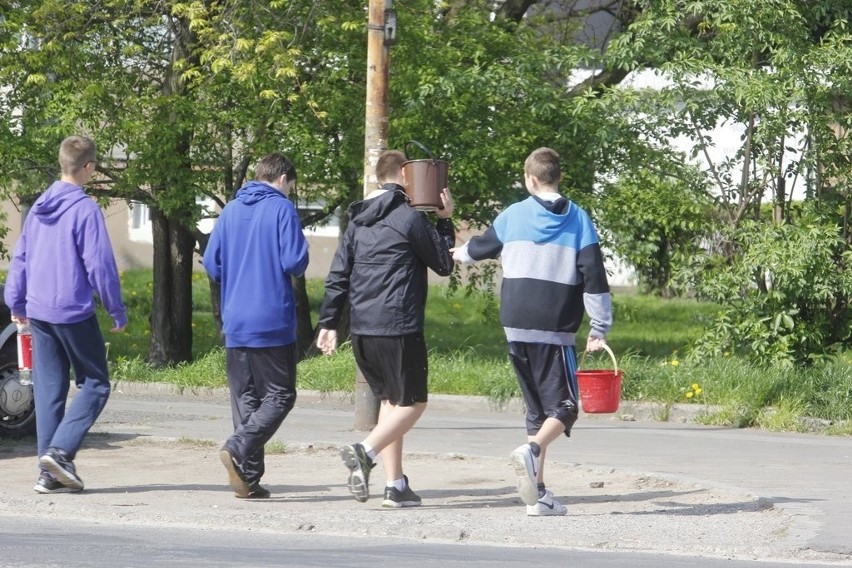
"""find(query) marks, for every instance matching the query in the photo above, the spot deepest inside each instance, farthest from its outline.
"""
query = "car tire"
(17, 406)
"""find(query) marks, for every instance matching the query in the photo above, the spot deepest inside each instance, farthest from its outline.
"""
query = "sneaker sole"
(253, 497)
(45, 491)
(358, 485)
(67, 479)
(547, 513)
(527, 487)
(401, 505)
(240, 487)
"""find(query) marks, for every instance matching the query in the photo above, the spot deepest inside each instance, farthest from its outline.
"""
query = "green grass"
(137, 291)
(467, 356)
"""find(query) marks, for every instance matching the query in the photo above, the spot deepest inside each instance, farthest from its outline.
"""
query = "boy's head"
(77, 153)
(389, 167)
(272, 167)
(542, 171)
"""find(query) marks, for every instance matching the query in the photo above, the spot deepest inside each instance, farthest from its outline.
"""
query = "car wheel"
(17, 406)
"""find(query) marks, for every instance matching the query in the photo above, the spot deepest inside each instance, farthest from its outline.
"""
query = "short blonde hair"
(75, 152)
(543, 163)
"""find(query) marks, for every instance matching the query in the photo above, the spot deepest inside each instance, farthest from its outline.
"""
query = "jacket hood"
(370, 211)
(551, 217)
(61, 195)
(256, 191)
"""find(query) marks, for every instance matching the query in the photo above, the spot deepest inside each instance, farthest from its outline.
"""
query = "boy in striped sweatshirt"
(553, 270)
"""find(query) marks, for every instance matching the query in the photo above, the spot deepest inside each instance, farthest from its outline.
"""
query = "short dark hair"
(273, 166)
(389, 165)
(75, 152)
(543, 163)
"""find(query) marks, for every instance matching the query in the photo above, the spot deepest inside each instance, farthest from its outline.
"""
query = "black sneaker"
(395, 499)
(256, 491)
(235, 478)
(48, 484)
(59, 465)
(359, 463)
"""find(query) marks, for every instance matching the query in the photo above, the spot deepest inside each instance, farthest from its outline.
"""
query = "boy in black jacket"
(381, 265)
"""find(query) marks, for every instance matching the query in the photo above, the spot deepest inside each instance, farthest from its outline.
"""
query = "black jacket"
(381, 265)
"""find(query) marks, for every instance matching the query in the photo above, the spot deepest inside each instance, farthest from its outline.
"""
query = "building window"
(139, 223)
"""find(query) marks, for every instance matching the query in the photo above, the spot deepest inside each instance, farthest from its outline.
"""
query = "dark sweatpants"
(263, 391)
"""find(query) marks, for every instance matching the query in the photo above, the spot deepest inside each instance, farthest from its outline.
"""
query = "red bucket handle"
(611, 356)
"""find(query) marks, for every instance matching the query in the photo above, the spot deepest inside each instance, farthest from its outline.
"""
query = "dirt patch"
(180, 482)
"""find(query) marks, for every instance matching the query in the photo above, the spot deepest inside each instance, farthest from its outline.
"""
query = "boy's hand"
(447, 202)
(595, 343)
(327, 341)
(460, 254)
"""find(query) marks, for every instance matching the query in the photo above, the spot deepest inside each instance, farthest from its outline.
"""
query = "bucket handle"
(611, 356)
(422, 147)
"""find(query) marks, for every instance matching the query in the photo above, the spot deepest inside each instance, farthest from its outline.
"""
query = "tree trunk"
(171, 312)
(305, 332)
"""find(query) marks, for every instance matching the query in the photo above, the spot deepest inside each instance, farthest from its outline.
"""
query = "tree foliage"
(186, 95)
(779, 70)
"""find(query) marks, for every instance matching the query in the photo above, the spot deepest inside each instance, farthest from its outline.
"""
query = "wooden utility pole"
(375, 142)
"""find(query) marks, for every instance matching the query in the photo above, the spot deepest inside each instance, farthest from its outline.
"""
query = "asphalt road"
(31, 543)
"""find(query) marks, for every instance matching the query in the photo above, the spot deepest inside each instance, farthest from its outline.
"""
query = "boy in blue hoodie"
(552, 269)
(255, 248)
(62, 258)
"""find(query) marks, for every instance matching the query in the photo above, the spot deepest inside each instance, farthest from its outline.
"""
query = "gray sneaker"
(47, 485)
(526, 468)
(396, 499)
(61, 468)
(359, 463)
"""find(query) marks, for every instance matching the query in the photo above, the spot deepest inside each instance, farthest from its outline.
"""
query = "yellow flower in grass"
(692, 392)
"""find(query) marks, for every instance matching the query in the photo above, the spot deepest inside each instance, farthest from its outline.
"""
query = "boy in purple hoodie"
(62, 258)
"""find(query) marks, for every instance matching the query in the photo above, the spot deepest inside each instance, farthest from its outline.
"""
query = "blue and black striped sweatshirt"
(552, 269)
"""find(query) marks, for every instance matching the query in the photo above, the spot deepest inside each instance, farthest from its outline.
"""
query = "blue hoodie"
(254, 249)
(62, 259)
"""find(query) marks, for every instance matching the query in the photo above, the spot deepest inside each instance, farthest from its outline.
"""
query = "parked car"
(17, 407)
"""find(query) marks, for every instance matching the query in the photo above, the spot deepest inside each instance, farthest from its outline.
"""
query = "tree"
(780, 69)
(181, 116)
(651, 221)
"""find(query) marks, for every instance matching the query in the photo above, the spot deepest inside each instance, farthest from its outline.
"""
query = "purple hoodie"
(62, 258)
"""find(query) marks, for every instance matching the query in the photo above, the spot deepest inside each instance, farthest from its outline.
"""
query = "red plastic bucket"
(600, 390)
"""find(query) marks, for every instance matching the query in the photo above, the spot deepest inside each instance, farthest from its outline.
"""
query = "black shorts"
(547, 375)
(395, 367)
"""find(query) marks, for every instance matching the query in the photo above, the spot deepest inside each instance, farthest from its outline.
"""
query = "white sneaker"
(526, 468)
(547, 506)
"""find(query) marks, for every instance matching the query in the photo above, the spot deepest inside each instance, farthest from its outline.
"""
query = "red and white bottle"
(25, 354)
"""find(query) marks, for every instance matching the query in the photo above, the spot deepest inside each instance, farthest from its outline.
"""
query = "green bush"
(785, 293)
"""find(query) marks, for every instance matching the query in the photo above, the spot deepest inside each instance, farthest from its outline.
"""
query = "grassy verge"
(468, 356)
